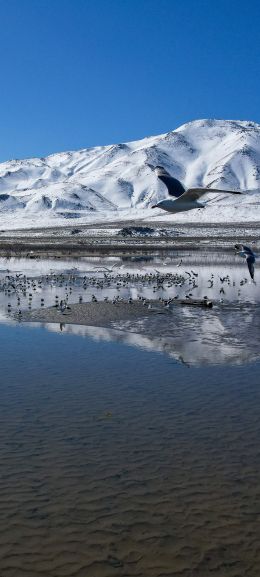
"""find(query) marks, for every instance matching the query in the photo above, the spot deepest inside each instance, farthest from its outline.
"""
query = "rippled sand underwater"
(132, 450)
(120, 461)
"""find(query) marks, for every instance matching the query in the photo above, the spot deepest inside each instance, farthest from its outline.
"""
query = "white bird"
(249, 256)
(184, 199)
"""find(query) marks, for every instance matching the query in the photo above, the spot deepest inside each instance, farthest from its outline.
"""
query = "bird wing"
(174, 186)
(247, 250)
(250, 263)
(195, 193)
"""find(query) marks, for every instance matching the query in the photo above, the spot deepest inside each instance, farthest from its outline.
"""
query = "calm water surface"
(132, 451)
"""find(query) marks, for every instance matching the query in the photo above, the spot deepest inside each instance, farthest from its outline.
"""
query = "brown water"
(120, 461)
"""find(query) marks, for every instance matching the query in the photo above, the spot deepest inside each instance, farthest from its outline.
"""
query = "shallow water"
(132, 451)
(221, 277)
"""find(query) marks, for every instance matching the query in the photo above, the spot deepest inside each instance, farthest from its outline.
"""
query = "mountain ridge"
(116, 180)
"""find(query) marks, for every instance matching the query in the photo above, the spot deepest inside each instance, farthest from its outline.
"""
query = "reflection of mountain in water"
(228, 335)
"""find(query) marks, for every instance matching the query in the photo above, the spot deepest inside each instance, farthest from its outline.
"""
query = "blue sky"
(79, 73)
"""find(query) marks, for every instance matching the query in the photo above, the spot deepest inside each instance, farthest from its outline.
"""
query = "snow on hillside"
(116, 182)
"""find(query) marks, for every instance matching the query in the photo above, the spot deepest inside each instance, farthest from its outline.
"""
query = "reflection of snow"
(196, 337)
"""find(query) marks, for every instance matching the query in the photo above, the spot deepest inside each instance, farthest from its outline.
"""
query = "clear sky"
(79, 73)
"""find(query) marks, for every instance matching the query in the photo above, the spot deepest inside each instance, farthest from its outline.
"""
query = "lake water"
(134, 450)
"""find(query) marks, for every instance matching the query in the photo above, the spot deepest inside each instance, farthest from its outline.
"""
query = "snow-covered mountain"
(117, 182)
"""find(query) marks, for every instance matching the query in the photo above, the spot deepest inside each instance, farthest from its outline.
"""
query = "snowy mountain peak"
(108, 180)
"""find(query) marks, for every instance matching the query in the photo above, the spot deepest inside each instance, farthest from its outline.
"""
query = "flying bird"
(183, 199)
(246, 252)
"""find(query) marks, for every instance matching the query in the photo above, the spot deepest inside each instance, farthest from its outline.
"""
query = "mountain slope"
(117, 182)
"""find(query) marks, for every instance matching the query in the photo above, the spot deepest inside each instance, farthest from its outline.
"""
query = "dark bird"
(246, 252)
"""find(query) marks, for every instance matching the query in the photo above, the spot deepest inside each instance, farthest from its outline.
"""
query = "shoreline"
(108, 239)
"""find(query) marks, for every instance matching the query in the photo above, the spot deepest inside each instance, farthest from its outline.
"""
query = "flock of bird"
(61, 289)
(24, 289)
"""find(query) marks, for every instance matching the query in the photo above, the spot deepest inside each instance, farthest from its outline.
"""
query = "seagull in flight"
(249, 256)
(183, 199)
